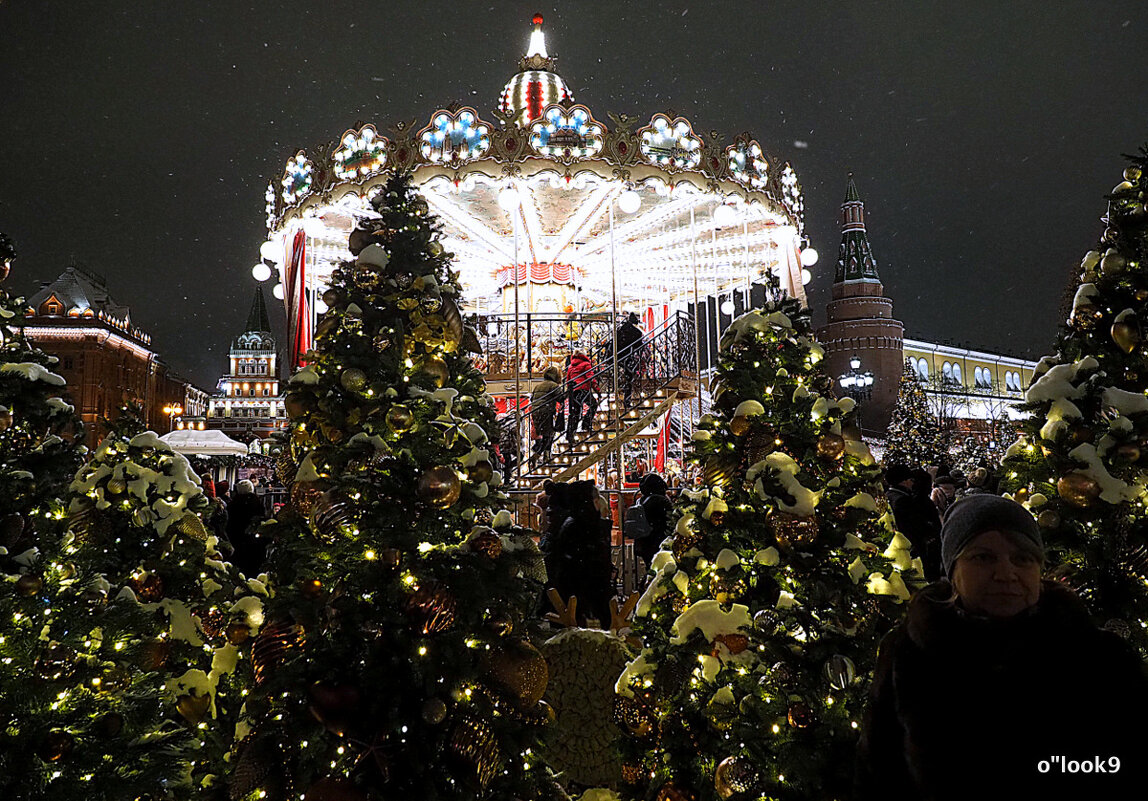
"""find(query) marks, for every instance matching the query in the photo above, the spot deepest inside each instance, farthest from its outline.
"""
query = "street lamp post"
(857, 385)
(172, 410)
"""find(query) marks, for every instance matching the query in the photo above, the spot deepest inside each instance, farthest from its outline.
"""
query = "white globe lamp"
(629, 201)
(724, 215)
(808, 257)
(277, 291)
(260, 272)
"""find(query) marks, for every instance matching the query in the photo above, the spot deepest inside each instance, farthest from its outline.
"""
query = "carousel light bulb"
(806, 277)
(808, 257)
(508, 199)
(260, 272)
(629, 201)
(277, 291)
(270, 251)
(727, 307)
(725, 214)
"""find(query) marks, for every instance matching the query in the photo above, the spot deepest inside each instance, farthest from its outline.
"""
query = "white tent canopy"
(204, 443)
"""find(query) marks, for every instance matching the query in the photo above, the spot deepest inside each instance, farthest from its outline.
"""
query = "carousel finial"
(537, 40)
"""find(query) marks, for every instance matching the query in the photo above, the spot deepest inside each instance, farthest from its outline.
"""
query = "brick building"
(106, 360)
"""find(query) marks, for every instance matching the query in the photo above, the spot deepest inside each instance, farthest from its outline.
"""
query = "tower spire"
(257, 319)
(855, 260)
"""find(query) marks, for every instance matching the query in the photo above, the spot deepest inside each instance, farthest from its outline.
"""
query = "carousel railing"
(543, 340)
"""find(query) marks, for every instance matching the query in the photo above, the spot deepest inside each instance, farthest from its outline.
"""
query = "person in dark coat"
(629, 337)
(509, 443)
(244, 514)
(915, 515)
(580, 553)
(580, 388)
(659, 512)
(998, 685)
(544, 402)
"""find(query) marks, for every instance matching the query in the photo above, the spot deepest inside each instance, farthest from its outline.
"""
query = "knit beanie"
(976, 514)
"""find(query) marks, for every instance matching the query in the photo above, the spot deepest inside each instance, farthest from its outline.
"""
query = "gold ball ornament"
(1022, 494)
(400, 419)
(439, 487)
(632, 717)
(735, 775)
(435, 249)
(304, 496)
(1078, 489)
(1113, 263)
(1048, 519)
(353, 379)
(28, 585)
(501, 623)
(332, 297)
(56, 745)
(436, 369)
(482, 471)
(1132, 173)
(116, 486)
(739, 425)
(791, 531)
(311, 589)
(237, 633)
(486, 542)
(1085, 316)
(1126, 335)
(434, 711)
(517, 670)
(831, 447)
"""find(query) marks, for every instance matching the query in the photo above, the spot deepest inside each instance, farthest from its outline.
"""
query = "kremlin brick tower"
(860, 319)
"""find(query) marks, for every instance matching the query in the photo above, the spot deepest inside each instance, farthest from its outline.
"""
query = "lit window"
(957, 373)
(923, 369)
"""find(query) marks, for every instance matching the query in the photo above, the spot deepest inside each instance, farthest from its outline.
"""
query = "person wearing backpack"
(648, 520)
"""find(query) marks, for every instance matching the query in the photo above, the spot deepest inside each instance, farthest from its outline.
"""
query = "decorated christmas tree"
(85, 706)
(914, 436)
(394, 662)
(1081, 463)
(761, 625)
(137, 517)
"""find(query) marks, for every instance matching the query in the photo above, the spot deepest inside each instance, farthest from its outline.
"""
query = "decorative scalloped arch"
(670, 143)
(298, 177)
(454, 138)
(361, 153)
(747, 164)
(567, 133)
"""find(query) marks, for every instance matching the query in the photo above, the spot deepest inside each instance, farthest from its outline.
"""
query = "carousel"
(562, 225)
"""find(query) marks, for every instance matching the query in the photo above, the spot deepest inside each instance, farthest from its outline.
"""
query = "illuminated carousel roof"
(655, 211)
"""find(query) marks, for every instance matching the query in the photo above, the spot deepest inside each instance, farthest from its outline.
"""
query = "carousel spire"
(536, 85)
(537, 40)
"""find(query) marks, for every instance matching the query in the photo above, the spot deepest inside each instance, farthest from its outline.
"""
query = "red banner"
(295, 293)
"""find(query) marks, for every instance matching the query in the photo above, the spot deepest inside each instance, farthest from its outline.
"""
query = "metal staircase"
(665, 363)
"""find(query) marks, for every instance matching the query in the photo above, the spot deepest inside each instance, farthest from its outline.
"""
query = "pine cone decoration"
(474, 748)
(433, 607)
(259, 767)
(271, 647)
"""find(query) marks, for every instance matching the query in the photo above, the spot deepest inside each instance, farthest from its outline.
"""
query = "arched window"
(922, 369)
(957, 373)
(947, 373)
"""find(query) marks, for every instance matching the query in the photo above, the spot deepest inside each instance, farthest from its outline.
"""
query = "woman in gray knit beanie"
(972, 694)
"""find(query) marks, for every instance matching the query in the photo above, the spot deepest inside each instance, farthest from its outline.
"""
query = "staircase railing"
(660, 358)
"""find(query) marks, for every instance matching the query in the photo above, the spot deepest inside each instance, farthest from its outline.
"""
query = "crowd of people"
(235, 518)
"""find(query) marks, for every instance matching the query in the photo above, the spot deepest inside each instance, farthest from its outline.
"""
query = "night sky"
(138, 137)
